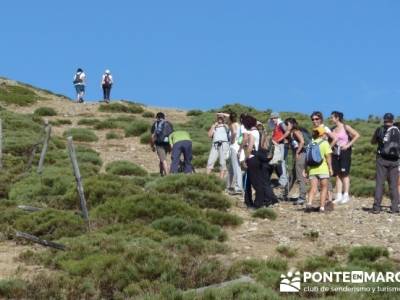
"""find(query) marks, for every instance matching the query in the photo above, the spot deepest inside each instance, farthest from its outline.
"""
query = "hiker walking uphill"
(79, 83)
(341, 157)
(387, 162)
(299, 139)
(319, 167)
(181, 144)
(160, 132)
(106, 83)
(219, 133)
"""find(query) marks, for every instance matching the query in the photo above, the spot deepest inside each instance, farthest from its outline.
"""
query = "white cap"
(107, 71)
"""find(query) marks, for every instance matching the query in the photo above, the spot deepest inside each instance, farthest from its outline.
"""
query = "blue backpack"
(313, 154)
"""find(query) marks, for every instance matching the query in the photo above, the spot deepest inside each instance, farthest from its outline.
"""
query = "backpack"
(306, 136)
(107, 80)
(78, 78)
(313, 154)
(390, 148)
(262, 154)
(162, 132)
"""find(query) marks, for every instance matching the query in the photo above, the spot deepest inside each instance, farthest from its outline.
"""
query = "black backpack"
(390, 147)
(306, 136)
(77, 78)
(107, 80)
(163, 130)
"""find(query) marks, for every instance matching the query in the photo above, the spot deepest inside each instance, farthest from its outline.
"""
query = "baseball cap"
(388, 117)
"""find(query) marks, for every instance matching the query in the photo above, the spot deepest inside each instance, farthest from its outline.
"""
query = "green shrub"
(180, 226)
(88, 122)
(145, 138)
(223, 218)
(18, 95)
(315, 263)
(121, 108)
(13, 288)
(113, 123)
(136, 128)
(60, 122)
(312, 235)
(286, 251)
(123, 168)
(81, 135)
(148, 114)
(265, 213)
(45, 111)
(205, 199)
(51, 224)
(368, 253)
(194, 112)
(112, 135)
(193, 245)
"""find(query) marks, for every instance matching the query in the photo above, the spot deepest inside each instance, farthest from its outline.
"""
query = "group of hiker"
(79, 82)
(249, 153)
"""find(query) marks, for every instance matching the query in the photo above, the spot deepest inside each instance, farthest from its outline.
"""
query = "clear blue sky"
(285, 55)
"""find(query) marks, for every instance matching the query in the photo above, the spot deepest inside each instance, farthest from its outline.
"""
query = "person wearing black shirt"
(386, 168)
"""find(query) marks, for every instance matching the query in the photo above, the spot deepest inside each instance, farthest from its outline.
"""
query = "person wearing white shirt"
(79, 83)
(106, 84)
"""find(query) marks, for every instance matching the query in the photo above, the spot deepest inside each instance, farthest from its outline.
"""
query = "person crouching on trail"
(181, 143)
(219, 133)
(79, 83)
(106, 83)
(319, 170)
(160, 132)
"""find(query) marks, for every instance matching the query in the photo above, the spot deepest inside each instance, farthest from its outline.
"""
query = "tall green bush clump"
(45, 111)
(124, 167)
(136, 128)
(81, 135)
(18, 95)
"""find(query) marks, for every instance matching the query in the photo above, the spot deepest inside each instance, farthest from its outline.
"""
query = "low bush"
(286, 251)
(18, 95)
(265, 213)
(81, 135)
(205, 199)
(193, 245)
(60, 122)
(194, 112)
(145, 138)
(51, 224)
(112, 135)
(180, 226)
(121, 108)
(312, 235)
(136, 128)
(148, 114)
(45, 111)
(368, 253)
(124, 168)
(314, 263)
(222, 218)
(88, 122)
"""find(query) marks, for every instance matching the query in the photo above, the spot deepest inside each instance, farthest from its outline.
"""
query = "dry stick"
(45, 146)
(79, 186)
(242, 279)
(37, 240)
(29, 208)
(1, 145)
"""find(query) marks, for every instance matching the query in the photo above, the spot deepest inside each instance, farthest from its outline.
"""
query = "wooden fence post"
(79, 186)
(1, 145)
(37, 240)
(45, 146)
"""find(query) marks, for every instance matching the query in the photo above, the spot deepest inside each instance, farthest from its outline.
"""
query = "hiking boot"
(299, 201)
(375, 211)
(308, 208)
(322, 209)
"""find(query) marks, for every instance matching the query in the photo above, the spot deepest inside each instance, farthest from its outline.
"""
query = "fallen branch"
(37, 240)
(29, 208)
(242, 279)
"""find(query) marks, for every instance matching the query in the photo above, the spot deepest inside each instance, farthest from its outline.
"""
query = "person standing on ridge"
(79, 83)
(387, 137)
(106, 84)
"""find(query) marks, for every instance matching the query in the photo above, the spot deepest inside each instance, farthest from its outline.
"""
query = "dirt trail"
(348, 225)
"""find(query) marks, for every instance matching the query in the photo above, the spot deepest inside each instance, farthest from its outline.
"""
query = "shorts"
(319, 176)
(341, 163)
(162, 151)
(80, 88)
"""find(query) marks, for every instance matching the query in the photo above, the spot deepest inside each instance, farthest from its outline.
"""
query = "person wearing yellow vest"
(181, 143)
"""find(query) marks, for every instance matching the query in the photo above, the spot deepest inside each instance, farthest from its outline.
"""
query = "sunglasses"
(315, 119)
